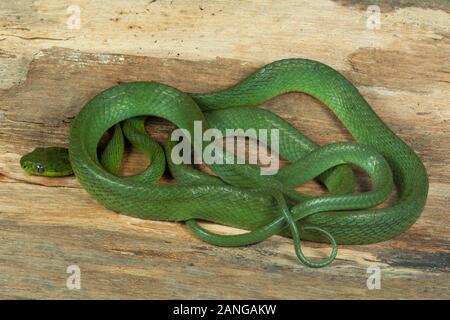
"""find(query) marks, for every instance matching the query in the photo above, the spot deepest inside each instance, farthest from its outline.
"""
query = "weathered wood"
(402, 69)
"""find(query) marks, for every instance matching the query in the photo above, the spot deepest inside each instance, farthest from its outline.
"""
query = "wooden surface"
(47, 73)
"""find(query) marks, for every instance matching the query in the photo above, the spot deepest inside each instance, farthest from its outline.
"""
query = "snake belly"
(229, 200)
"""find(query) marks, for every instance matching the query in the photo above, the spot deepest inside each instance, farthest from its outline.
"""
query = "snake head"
(49, 162)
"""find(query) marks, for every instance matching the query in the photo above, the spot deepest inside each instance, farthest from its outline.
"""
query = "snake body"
(238, 195)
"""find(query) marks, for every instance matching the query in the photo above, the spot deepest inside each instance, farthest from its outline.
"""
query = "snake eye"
(39, 168)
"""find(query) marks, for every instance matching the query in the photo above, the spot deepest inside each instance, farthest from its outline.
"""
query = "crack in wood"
(37, 37)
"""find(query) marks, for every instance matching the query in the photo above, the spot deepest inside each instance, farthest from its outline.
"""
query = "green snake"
(238, 195)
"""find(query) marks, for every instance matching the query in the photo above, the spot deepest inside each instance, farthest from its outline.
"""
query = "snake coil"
(239, 195)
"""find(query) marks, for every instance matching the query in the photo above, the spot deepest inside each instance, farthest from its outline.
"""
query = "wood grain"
(403, 70)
